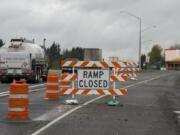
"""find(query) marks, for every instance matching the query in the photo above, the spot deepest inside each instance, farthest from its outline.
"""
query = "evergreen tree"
(54, 55)
(74, 53)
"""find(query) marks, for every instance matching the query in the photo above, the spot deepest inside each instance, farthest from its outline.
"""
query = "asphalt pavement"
(152, 107)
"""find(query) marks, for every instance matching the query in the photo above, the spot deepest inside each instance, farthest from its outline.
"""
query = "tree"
(175, 46)
(78, 53)
(1, 43)
(155, 54)
(54, 55)
(75, 52)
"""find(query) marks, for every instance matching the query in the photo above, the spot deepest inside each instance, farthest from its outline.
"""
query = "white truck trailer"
(21, 58)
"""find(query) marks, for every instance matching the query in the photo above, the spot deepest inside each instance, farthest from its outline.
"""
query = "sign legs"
(72, 101)
(114, 101)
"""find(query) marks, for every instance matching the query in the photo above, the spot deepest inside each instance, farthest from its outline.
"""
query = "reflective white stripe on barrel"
(52, 91)
(54, 84)
(17, 109)
(18, 96)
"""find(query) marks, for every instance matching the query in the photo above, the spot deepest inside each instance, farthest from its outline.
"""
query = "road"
(152, 107)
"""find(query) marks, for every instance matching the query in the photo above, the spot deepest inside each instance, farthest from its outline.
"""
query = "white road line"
(80, 106)
(3, 94)
(178, 112)
(56, 120)
(64, 115)
(145, 81)
(37, 90)
(6, 93)
(37, 85)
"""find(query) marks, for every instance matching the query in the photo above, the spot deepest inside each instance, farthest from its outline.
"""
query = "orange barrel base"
(52, 88)
(52, 96)
(18, 115)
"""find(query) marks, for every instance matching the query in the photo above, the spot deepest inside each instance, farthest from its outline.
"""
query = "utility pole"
(139, 19)
(140, 43)
(140, 33)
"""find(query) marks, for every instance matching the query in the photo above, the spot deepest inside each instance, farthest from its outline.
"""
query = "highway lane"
(43, 111)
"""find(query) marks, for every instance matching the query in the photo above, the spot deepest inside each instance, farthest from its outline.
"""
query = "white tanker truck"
(21, 58)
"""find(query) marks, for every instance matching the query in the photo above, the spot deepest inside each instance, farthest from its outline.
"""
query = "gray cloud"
(92, 23)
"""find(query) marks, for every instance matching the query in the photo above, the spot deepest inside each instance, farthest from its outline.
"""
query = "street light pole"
(140, 31)
(147, 28)
(140, 43)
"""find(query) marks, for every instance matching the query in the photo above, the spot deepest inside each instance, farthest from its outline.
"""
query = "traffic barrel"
(52, 88)
(18, 103)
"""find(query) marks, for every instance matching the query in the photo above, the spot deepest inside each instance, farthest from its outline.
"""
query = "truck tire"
(4, 79)
(44, 78)
(33, 79)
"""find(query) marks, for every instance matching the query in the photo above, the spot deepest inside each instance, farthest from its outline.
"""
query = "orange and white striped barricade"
(66, 80)
(18, 103)
(65, 84)
(76, 91)
(52, 87)
(94, 64)
(130, 71)
(132, 64)
(97, 65)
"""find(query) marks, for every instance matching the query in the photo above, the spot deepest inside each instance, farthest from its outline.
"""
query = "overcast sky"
(93, 23)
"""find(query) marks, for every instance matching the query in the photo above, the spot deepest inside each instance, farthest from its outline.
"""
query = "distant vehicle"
(21, 58)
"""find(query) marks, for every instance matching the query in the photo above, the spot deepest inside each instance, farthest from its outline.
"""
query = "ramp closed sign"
(93, 79)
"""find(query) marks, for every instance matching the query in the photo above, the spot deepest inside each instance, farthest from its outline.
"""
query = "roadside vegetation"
(56, 54)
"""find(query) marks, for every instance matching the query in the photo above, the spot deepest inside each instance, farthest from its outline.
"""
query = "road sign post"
(73, 100)
(114, 101)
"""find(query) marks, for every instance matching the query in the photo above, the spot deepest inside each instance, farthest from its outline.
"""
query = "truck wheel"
(4, 79)
(44, 78)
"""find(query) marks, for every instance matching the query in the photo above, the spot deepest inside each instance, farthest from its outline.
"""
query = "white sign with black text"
(93, 79)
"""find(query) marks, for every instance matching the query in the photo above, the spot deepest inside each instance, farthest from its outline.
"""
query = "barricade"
(52, 88)
(130, 71)
(94, 65)
(66, 80)
(18, 103)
